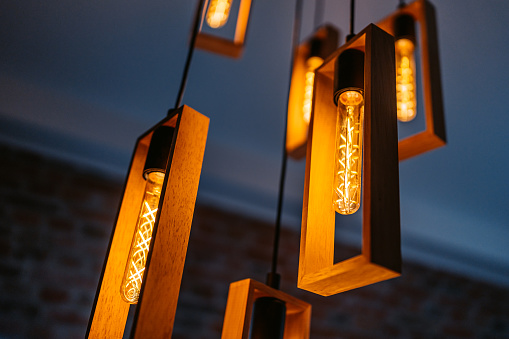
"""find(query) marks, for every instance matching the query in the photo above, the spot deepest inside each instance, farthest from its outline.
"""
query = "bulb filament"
(348, 157)
(218, 13)
(405, 80)
(135, 269)
(312, 64)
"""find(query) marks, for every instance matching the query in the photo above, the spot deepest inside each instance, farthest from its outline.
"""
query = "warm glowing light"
(133, 275)
(348, 157)
(218, 13)
(405, 79)
(312, 64)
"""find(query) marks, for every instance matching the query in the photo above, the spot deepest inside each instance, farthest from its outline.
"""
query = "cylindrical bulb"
(405, 79)
(218, 13)
(312, 64)
(348, 152)
(135, 268)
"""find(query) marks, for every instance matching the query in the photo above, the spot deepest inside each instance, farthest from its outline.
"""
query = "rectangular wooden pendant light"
(433, 136)
(325, 40)
(242, 295)
(381, 247)
(230, 48)
(157, 302)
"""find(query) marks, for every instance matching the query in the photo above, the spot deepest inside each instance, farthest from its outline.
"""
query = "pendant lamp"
(338, 84)
(308, 56)
(249, 299)
(148, 245)
(399, 24)
(217, 13)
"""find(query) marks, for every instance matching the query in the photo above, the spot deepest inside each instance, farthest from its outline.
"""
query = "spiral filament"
(405, 80)
(218, 13)
(312, 64)
(135, 269)
(348, 156)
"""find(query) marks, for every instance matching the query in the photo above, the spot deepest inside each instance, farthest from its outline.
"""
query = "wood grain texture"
(434, 135)
(381, 220)
(242, 295)
(157, 304)
(175, 211)
(297, 128)
(381, 255)
(231, 48)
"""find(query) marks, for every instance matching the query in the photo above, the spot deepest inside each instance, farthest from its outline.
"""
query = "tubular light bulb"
(405, 79)
(348, 152)
(218, 13)
(134, 271)
(312, 64)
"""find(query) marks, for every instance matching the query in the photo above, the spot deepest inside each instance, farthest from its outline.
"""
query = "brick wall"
(55, 222)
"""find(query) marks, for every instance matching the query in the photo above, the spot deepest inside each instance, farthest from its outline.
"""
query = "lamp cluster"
(345, 103)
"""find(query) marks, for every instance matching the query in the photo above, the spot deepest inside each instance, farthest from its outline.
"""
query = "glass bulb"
(218, 13)
(135, 268)
(405, 79)
(348, 155)
(311, 64)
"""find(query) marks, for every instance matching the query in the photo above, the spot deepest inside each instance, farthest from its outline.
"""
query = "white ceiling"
(81, 80)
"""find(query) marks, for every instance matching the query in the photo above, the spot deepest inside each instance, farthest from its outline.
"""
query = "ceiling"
(81, 80)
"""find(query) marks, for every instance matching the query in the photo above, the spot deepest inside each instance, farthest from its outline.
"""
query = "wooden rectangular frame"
(241, 297)
(231, 48)
(381, 245)
(433, 136)
(297, 128)
(161, 284)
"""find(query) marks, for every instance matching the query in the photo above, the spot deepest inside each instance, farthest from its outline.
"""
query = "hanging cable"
(196, 30)
(352, 20)
(319, 8)
(273, 277)
(401, 3)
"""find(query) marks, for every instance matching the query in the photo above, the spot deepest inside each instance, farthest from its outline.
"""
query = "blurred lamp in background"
(308, 56)
(419, 14)
(217, 17)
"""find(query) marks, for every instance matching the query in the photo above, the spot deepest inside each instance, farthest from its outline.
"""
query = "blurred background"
(81, 80)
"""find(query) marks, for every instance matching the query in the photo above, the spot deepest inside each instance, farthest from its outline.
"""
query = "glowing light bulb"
(135, 269)
(348, 152)
(218, 13)
(312, 63)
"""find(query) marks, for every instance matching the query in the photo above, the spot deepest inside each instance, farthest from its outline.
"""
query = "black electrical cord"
(273, 277)
(196, 30)
(401, 3)
(352, 20)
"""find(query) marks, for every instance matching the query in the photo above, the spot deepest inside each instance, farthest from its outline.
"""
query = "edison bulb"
(348, 152)
(135, 268)
(311, 64)
(405, 79)
(218, 13)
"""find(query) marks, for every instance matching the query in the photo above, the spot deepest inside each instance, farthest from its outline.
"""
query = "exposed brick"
(56, 225)
(69, 317)
(54, 295)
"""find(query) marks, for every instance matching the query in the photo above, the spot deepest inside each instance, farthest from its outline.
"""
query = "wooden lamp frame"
(242, 295)
(163, 273)
(433, 136)
(297, 128)
(231, 48)
(381, 247)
